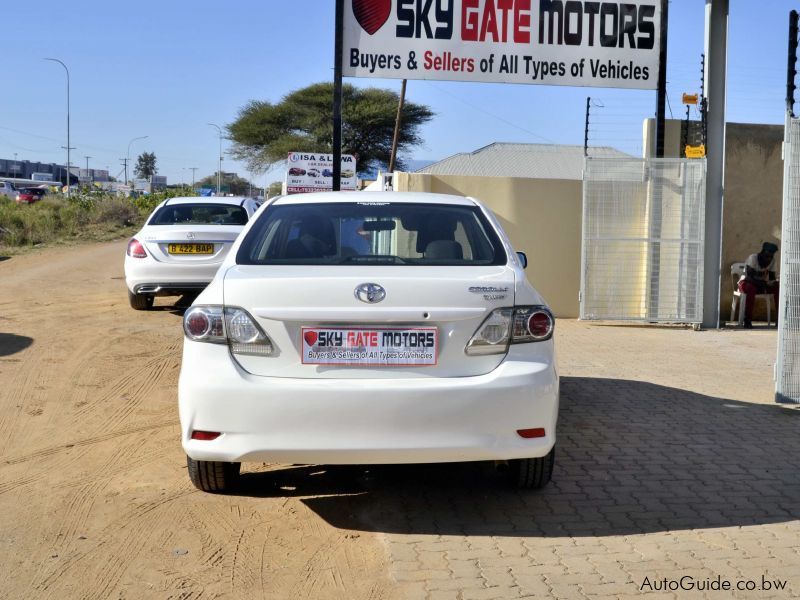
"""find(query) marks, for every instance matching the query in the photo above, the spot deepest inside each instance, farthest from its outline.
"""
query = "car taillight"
(505, 326)
(204, 324)
(135, 249)
(244, 334)
(532, 324)
(492, 335)
(230, 325)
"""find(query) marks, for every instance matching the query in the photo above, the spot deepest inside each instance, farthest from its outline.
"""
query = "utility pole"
(87, 166)
(124, 161)
(68, 146)
(396, 138)
(219, 172)
(193, 169)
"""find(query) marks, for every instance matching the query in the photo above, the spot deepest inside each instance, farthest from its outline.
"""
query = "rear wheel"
(140, 301)
(533, 473)
(211, 476)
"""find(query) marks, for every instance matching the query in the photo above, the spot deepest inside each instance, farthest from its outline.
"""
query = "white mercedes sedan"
(181, 246)
(369, 328)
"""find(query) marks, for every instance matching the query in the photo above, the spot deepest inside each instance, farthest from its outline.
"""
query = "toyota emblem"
(370, 293)
(190, 236)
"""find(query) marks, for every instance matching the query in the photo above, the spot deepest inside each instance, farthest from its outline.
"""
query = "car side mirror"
(523, 258)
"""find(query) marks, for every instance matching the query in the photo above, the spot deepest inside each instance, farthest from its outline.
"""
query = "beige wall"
(751, 214)
(541, 216)
(753, 198)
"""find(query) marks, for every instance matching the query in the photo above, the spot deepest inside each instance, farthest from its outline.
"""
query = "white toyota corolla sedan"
(369, 328)
(182, 245)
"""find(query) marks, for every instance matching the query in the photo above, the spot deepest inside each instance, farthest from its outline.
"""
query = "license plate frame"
(190, 248)
(370, 348)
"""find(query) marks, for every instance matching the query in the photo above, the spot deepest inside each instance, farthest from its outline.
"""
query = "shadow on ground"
(632, 458)
(11, 343)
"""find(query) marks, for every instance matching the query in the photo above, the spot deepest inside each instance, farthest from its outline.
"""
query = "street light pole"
(128, 155)
(219, 172)
(68, 148)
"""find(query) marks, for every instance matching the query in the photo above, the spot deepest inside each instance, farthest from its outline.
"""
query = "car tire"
(533, 473)
(210, 476)
(140, 301)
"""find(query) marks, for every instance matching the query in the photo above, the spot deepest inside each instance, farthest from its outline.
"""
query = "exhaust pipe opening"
(501, 466)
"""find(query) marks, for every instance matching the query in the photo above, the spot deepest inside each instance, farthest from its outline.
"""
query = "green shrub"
(57, 219)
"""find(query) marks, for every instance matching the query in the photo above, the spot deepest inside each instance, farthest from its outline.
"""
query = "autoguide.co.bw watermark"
(689, 583)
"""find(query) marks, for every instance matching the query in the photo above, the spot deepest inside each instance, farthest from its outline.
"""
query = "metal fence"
(643, 230)
(787, 372)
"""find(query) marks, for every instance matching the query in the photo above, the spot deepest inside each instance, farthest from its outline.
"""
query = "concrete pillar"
(716, 49)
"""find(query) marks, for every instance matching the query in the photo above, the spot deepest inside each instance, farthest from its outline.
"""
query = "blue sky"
(166, 69)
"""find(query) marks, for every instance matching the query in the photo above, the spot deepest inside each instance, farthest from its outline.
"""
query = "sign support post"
(662, 81)
(337, 96)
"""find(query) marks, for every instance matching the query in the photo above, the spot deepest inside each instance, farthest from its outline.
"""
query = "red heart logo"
(310, 337)
(372, 14)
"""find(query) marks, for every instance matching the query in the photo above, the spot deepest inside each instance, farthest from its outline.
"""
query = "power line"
(483, 110)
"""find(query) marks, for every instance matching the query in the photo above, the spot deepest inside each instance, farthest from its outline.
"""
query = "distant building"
(532, 161)
(24, 169)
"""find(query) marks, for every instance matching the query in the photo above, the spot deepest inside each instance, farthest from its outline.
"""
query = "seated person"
(758, 278)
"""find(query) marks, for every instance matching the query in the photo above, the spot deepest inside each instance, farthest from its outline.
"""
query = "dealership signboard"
(313, 172)
(551, 42)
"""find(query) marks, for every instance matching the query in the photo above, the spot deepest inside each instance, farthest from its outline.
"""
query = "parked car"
(30, 195)
(427, 344)
(327, 173)
(296, 171)
(8, 190)
(182, 245)
(312, 173)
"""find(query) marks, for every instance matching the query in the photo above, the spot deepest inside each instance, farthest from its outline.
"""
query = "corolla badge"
(370, 293)
(490, 292)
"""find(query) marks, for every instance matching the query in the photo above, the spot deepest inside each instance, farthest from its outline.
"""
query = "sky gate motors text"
(559, 22)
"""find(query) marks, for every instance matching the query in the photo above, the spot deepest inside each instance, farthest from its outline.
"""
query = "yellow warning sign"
(690, 99)
(696, 151)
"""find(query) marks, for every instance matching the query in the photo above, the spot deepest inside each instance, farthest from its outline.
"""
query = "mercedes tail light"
(135, 249)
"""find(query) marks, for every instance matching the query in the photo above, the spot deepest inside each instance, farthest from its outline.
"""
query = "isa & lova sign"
(550, 42)
(313, 172)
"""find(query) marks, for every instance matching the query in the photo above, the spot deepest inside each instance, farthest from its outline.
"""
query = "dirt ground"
(95, 501)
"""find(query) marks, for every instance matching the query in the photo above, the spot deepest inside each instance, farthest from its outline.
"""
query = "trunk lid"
(158, 238)
(288, 300)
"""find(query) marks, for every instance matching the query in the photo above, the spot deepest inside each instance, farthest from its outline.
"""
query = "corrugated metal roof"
(535, 161)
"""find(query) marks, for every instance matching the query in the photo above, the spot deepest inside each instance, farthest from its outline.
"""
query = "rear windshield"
(357, 233)
(199, 214)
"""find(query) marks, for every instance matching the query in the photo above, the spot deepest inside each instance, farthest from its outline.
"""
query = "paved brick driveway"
(652, 480)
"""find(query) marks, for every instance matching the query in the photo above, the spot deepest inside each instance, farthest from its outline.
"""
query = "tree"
(231, 184)
(146, 165)
(264, 133)
(275, 188)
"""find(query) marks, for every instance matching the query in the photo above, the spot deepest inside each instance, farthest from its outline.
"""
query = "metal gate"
(787, 380)
(643, 230)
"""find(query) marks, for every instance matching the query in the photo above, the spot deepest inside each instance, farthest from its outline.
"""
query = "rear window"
(199, 214)
(356, 233)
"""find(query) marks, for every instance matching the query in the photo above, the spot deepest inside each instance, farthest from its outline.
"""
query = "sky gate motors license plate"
(395, 347)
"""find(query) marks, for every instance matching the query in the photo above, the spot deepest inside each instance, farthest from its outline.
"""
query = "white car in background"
(181, 246)
(388, 327)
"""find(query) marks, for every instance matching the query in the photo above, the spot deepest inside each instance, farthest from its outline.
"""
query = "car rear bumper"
(144, 274)
(364, 421)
